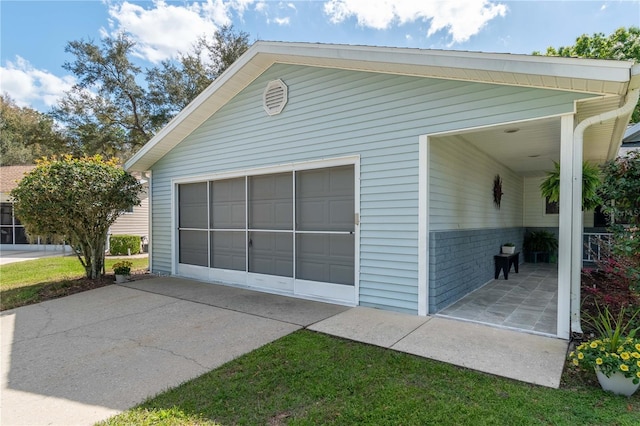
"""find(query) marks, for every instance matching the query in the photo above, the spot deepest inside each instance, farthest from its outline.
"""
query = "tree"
(620, 190)
(107, 111)
(77, 199)
(26, 134)
(620, 193)
(174, 84)
(115, 107)
(622, 45)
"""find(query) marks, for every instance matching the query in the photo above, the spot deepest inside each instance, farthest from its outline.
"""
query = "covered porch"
(483, 190)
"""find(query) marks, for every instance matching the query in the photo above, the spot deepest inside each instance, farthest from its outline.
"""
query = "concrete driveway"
(82, 358)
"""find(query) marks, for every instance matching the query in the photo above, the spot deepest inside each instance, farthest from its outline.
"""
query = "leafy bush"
(615, 283)
(121, 244)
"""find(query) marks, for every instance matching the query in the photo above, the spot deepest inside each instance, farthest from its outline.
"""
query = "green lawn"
(32, 281)
(308, 378)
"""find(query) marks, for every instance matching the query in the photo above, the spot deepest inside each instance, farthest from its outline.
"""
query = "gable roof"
(11, 175)
(610, 79)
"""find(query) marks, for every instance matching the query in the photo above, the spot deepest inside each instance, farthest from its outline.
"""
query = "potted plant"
(122, 270)
(550, 186)
(614, 355)
(540, 242)
(508, 248)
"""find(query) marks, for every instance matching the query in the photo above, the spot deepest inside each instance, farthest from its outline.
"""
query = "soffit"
(532, 150)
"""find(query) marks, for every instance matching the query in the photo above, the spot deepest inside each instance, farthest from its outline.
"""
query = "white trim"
(356, 237)
(279, 168)
(174, 229)
(270, 282)
(565, 221)
(335, 293)
(148, 176)
(473, 129)
(423, 226)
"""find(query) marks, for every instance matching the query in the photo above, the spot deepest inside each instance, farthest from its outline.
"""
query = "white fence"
(594, 243)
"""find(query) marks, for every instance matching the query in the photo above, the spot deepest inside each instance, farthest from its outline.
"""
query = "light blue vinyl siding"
(334, 113)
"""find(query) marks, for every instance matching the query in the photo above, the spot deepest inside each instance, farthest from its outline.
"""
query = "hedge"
(121, 244)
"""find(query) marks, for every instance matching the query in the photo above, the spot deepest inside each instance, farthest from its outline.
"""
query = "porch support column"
(565, 226)
(576, 235)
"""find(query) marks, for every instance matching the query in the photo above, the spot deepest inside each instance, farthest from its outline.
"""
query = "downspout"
(577, 229)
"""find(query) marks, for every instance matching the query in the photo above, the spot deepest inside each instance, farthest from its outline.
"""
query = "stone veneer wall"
(462, 261)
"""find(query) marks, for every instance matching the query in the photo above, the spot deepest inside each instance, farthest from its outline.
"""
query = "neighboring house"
(136, 220)
(13, 236)
(12, 233)
(365, 175)
(631, 140)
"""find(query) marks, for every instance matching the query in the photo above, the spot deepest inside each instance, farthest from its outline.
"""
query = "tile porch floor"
(526, 301)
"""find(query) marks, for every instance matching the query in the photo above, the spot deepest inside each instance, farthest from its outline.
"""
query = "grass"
(33, 281)
(308, 378)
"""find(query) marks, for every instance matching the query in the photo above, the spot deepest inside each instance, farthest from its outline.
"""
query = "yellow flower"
(625, 355)
(572, 354)
(593, 345)
(615, 355)
(599, 361)
(624, 367)
(638, 374)
(638, 364)
(638, 347)
(635, 354)
(580, 355)
(575, 362)
(581, 347)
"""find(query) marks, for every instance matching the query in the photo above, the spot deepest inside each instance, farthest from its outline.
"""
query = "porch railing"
(594, 244)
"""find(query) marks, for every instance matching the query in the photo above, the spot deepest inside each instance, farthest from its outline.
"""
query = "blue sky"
(34, 33)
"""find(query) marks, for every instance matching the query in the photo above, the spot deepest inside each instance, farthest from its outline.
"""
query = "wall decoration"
(497, 191)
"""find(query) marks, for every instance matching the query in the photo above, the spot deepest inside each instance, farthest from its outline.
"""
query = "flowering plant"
(616, 350)
(122, 268)
(624, 357)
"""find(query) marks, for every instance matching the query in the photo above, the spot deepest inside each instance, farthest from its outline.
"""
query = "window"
(551, 207)
(11, 231)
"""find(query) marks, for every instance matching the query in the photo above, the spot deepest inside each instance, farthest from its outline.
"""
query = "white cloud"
(32, 87)
(163, 30)
(460, 18)
(282, 21)
(261, 6)
(280, 10)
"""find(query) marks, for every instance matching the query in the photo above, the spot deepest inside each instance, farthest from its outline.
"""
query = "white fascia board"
(609, 70)
(495, 68)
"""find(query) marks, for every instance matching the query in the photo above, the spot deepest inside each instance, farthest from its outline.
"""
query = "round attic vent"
(274, 97)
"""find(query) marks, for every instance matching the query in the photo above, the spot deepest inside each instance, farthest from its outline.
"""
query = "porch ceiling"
(529, 148)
